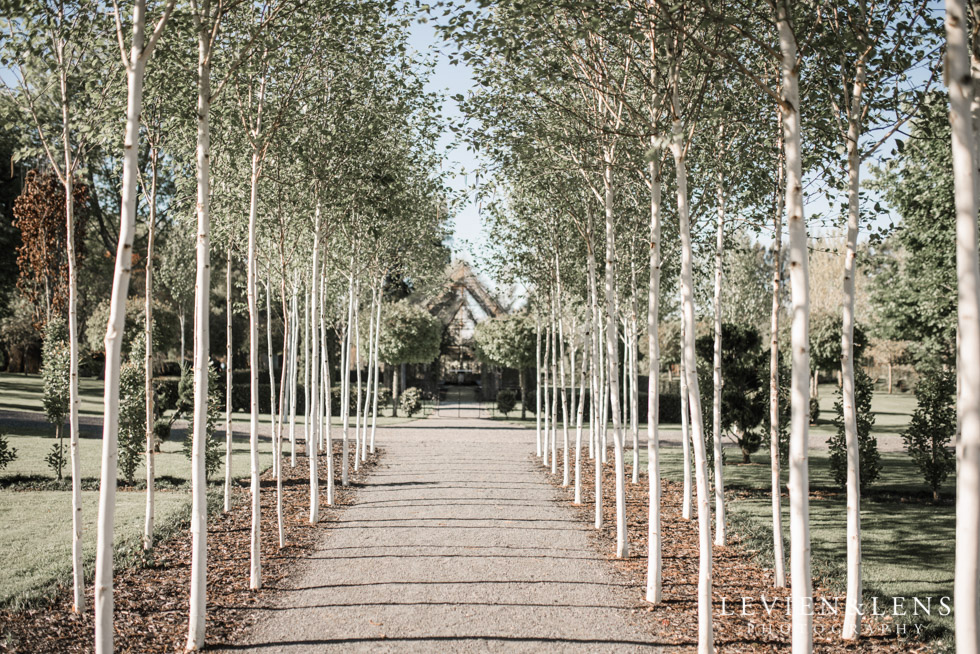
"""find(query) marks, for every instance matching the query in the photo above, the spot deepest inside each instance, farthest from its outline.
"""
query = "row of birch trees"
(293, 140)
(627, 143)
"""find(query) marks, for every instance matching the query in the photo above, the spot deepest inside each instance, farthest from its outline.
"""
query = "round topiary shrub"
(814, 410)
(506, 401)
(410, 401)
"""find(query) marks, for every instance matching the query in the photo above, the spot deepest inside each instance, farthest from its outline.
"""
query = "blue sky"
(451, 80)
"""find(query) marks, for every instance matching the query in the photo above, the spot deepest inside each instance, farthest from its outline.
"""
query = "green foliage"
(7, 453)
(914, 289)
(869, 458)
(409, 334)
(506, 401)
(132, 412)
(825, 342)
(212, 443)
(55, 371)
(410, 401)
(745, 390)
(57, 458)
(508, 340)
(933, 426)
(814, 410)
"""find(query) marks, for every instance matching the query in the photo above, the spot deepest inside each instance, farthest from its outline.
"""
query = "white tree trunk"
(777, 512)
(358, 407)
(148, 354)
(270, 356)
(537, 381)
(634, 370)
(654, 592)
(799, 485)
(719, 380)
(255, 556)
(313, 421)
(851, 629)
(612, 360)
(307, 416)
(345, 377)
(579, 416)
(326, 402)
(544, 390)
(377, 370)
(293, 374)
(966, 588)
(705, 628)
(229, 370)
(686, 509)
(566, 472)
(114, 335)
(202, 296)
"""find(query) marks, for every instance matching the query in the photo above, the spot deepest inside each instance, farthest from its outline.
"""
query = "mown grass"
(36, 544)
(36, 548)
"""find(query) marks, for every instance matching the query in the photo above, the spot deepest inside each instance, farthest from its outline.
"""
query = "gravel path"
(455, 544)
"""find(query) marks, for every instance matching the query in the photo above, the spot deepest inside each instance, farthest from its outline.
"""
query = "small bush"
(506, 401)
(410, 401)
(933, 427)
(57, 458)
(869, 459)
(7, 453)
(212, 443)
(814, 410)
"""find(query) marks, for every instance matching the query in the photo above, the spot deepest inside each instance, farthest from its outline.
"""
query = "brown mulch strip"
(735, 575)
(151, 600)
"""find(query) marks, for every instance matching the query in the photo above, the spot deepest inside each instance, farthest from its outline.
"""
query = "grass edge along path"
(738, 572)
(151, 592)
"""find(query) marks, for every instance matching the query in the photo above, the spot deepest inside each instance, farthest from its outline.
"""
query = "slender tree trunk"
(307, 397)
(799, 499)
(229, 378)
(537, 381)
(634, 376)
(270, 355)
(654, 592)
(565, 479)
(777, 511)
(852, 607)
(966, 588)
(358, 410)
(312, 439)
(612, 356)
(148, 355)
(326, 403)
(377, 369)
(202, 296)
(345, 380)
(687, 510)
(555, 345)
(719, 380)
(255, 558)
(544, 388)
(579, 416)
(114, 331)
(705, 628)
(293, 374)
(78, 574)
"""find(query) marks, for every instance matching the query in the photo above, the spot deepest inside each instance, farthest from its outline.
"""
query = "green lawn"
(36, 548)
(36, 544)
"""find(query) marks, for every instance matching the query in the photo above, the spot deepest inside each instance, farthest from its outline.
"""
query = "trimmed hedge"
(670, 405)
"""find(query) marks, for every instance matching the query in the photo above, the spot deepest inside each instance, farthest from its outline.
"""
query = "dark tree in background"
(745, 393)
(42, 257)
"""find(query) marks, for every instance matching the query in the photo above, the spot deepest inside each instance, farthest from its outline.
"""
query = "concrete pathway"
(454, 544)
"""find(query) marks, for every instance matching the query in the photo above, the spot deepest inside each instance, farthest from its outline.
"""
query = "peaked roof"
(450, 300)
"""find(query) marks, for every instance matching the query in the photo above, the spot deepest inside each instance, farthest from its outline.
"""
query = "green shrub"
(212, 443)
(7, 453)
(933, 427)
(410, 401)
(57, 458)
(868, 456)
(506, 401)
(814, 410)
